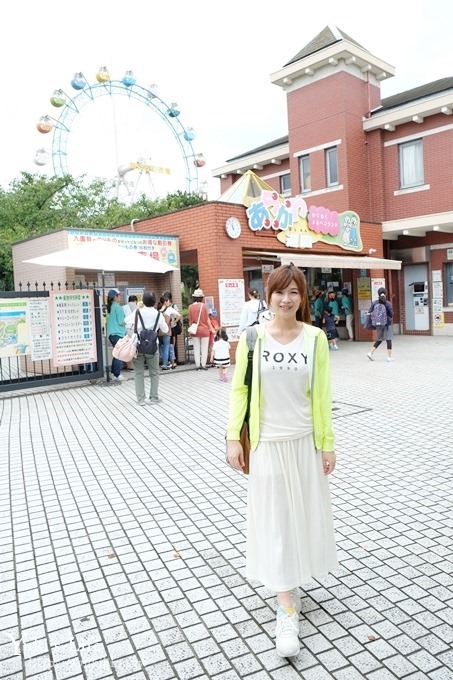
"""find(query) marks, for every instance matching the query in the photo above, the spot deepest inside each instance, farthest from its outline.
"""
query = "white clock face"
(233, 227)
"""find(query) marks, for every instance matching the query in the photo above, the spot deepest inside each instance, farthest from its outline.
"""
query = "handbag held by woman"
(193, 328)
(125, 349)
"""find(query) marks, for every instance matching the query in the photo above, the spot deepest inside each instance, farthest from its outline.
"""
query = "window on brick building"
(411, 164)
(305, 173)
(332, 166)
(449, 283)
(285, 183)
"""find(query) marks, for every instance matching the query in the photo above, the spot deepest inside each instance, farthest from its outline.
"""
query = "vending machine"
(420, 302)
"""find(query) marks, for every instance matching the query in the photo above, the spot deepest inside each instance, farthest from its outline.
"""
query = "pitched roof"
(245, 190)
(434, 87)
(264, 147)
(328, 36)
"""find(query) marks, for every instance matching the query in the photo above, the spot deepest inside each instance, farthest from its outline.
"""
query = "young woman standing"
(290, 535)
(115, 327)
(199, 314)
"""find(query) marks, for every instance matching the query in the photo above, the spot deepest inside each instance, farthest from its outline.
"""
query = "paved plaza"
(122, 532)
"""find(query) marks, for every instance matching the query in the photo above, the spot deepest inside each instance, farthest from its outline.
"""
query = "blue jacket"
(115, 321)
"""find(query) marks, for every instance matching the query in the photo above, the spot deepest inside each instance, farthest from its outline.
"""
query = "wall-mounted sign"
(231, 297)
(72, 321)
(299, 226)
(163, 248)
(14, 327)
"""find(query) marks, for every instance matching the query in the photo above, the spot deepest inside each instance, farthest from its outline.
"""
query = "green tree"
(34, 205)
(189, 279)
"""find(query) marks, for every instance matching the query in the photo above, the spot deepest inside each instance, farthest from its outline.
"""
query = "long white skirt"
(290, 534)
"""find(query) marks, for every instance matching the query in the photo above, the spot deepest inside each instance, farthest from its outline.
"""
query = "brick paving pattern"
(122, 532)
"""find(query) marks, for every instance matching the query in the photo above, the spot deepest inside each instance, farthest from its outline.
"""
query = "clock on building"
(233, 227)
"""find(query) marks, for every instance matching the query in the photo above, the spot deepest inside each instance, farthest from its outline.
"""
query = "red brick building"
(389, 160)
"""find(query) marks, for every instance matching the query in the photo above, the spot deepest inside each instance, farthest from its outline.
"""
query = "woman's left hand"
(328, 461)
(235, 454)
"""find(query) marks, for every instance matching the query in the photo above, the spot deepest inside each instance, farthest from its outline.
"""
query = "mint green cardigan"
(317, 349)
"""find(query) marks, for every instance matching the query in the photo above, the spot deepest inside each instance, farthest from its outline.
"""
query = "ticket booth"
(419, 290)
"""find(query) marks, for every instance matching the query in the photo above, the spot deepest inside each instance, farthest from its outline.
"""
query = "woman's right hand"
(235, 454)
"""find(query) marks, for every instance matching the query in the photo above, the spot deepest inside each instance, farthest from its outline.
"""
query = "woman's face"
(286, 302)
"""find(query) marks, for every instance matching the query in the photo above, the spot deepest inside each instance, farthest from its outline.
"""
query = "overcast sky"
(213, 59)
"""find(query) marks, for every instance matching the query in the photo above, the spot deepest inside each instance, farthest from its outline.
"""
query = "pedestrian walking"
(330, 322)
(380, 317)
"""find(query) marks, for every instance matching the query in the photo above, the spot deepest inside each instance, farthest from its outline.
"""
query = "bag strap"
(199, 313)
(156, 321)
(139, 316)
(251, 342)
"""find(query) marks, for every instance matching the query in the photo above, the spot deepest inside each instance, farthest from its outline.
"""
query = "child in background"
(216, 325)
(330, 321)
(220, 355)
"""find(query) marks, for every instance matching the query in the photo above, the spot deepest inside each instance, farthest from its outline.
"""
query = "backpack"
(147, 339)
(177, 328)
(379, 314)
(261, 309)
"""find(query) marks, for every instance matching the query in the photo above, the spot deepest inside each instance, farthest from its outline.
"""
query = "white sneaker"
(370, 356)
(142, 402)
(118, 378)
(287, 632)
(390, 359)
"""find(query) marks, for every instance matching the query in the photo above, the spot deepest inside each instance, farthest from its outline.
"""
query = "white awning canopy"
(338, 261)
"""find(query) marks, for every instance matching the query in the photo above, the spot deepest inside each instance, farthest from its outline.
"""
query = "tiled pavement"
(122, 532)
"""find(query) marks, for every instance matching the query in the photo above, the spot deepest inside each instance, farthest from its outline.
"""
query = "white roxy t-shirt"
(285, 394)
